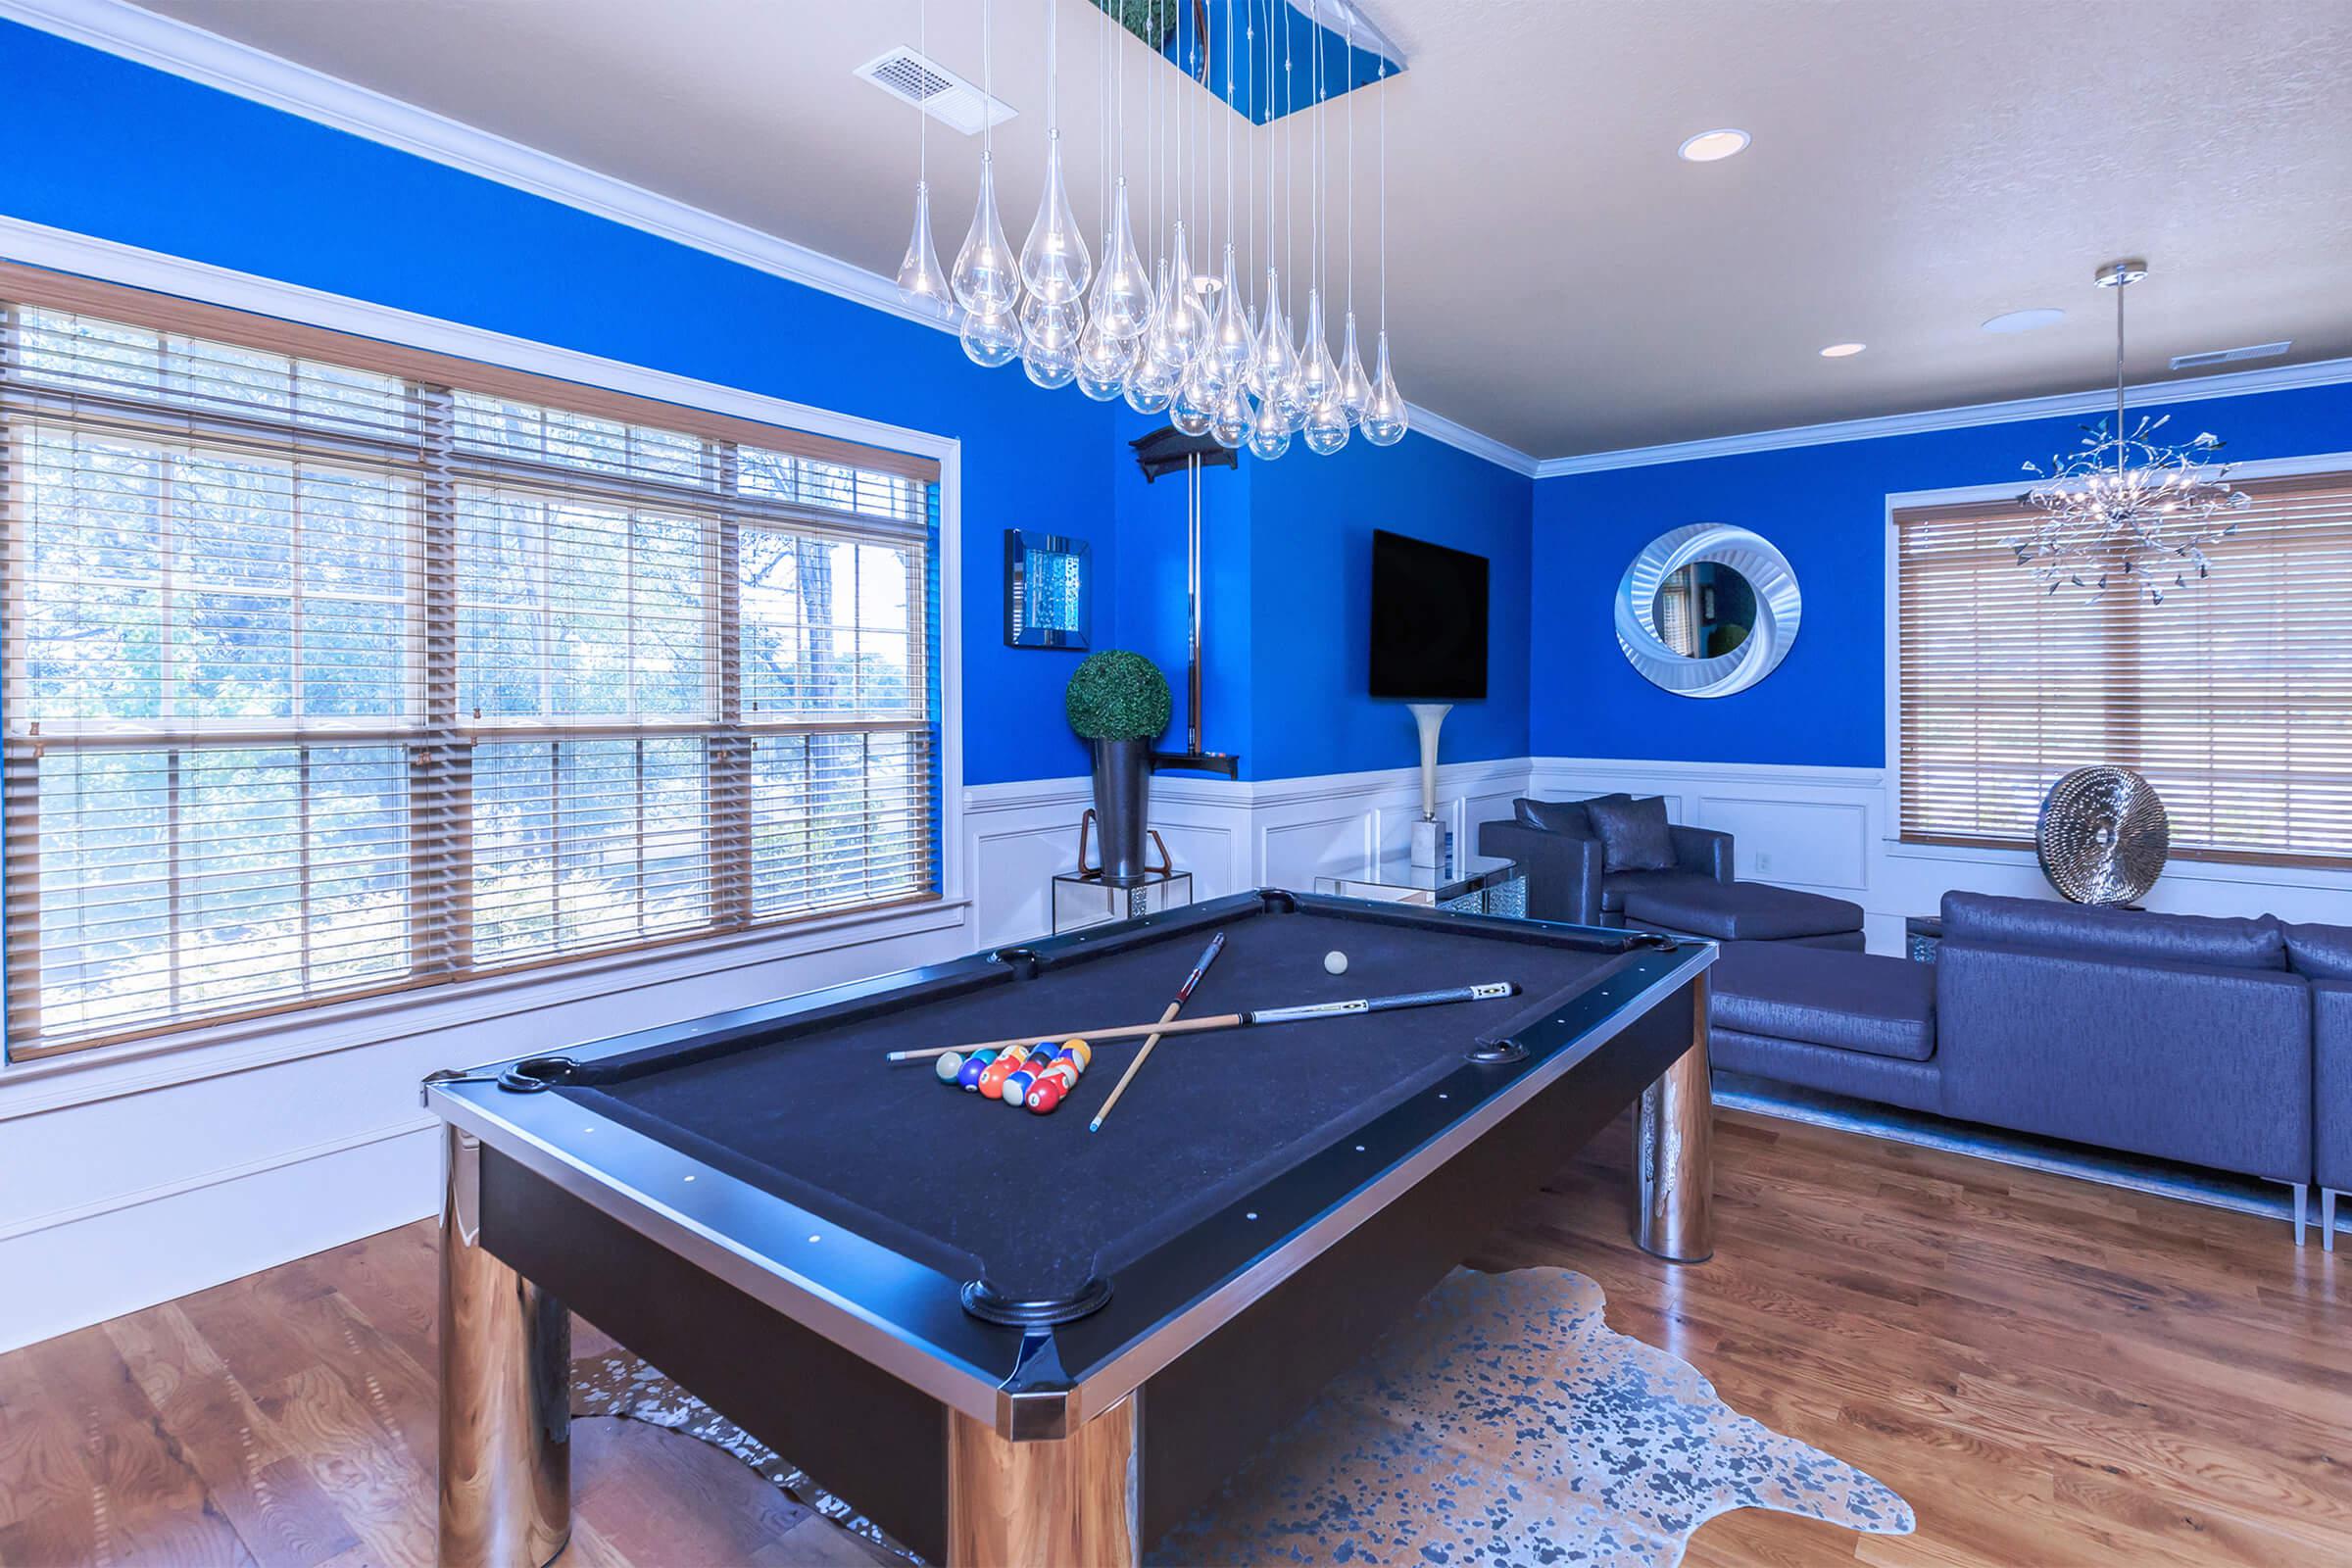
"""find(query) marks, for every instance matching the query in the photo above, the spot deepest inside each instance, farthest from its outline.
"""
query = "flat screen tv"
(1429, 620)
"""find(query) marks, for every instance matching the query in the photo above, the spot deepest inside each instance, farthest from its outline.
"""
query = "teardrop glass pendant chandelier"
(1143, 326)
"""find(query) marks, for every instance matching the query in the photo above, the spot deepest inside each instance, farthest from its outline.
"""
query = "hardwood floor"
(2053, 1373)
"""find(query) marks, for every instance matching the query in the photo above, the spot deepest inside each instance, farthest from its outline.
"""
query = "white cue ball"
(1334, 963)
(948, 1066)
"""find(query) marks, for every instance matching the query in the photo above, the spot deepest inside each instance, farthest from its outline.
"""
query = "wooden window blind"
(2233, 697)
(323, 678)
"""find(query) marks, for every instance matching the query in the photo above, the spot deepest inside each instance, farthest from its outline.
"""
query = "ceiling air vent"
(2252, 351)
(948, 98)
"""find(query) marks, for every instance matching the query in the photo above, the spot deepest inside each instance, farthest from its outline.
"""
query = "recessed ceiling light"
(1713, 146)
(1842, 350)
(2033, 320)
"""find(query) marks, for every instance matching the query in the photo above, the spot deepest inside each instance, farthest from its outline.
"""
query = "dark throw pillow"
(1633, 836)
(1554, 816)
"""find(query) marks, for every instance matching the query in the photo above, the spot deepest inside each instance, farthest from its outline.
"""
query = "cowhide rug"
(1503, 1423)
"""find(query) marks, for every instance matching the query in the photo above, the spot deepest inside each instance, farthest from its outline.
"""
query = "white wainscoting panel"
(1230, 834)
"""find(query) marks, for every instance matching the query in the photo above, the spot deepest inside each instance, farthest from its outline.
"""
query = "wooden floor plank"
(279, 1512)
(145, 1503)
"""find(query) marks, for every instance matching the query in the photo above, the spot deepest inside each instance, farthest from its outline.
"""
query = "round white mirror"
(1707, 610)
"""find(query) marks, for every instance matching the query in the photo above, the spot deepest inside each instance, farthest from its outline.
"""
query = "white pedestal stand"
(1428, 837)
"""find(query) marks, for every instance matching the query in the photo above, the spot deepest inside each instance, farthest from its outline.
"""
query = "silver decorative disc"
(2103, 836)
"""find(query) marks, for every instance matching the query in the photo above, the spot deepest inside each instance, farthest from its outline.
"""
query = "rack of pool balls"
(1039, 1077)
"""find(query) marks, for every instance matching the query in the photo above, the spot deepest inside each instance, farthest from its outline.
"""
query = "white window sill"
(53, 1083)
(2175, 870)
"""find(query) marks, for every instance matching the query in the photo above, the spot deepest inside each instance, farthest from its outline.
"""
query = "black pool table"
(1004, 1338)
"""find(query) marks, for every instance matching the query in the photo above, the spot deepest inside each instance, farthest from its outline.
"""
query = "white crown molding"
(167, 44)
(1437, 427)
(2228, 384)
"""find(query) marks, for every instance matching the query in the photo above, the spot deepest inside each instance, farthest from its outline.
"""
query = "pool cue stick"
(1184, 993)
(1237, 1020)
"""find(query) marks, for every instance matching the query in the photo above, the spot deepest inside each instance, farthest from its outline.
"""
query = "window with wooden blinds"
(323, 676)
(2233, 697)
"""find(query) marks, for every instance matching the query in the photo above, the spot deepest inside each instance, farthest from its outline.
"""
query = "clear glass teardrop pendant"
(1269, 432)
(1189, 411)
(1054, 263)
(1102, 362)
(1160, 337)
(1123, 297)
(1355, 388)
(1150, 384)
(1188, 324)
(986, 278)
(1231, 343)
(1384, 420)
(1326, 428)
(1317, 375)
(921, 282)
(1049, 340)
(1277, 361)
(991, 337)
(1230, 425)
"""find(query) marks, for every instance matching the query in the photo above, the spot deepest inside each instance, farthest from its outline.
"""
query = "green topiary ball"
(1118, 696)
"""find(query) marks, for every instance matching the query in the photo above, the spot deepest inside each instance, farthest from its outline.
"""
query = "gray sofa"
(2223, 1042)
(2323, 952)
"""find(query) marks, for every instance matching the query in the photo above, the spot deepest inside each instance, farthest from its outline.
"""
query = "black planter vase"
(1122, 801)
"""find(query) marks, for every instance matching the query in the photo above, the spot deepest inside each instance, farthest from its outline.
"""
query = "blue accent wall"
(1287, 559)
(1311, 522)
(109, 148)
(1154, 613)
(1826, 507)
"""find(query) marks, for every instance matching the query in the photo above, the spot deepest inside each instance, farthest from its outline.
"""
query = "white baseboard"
(125, 1255)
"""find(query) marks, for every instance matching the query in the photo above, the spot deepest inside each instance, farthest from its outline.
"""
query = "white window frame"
(205, 1050)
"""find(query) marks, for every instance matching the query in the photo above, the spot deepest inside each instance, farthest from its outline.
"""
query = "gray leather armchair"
(1566, 868)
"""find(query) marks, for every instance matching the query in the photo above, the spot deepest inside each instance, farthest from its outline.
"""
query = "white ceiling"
(1561, 281)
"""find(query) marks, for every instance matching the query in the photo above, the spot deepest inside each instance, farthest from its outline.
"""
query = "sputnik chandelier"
(2124, 511)
(1165, 337)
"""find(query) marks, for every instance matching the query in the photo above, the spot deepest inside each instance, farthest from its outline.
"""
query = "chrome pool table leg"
(1673, 1135)
(505, 1393)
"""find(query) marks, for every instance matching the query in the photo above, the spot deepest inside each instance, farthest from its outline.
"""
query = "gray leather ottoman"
(1746, 911)
(1846, 1023)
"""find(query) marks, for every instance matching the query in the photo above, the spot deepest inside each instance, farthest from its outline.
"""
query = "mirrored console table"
(1083, 899)
(1475, 884)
